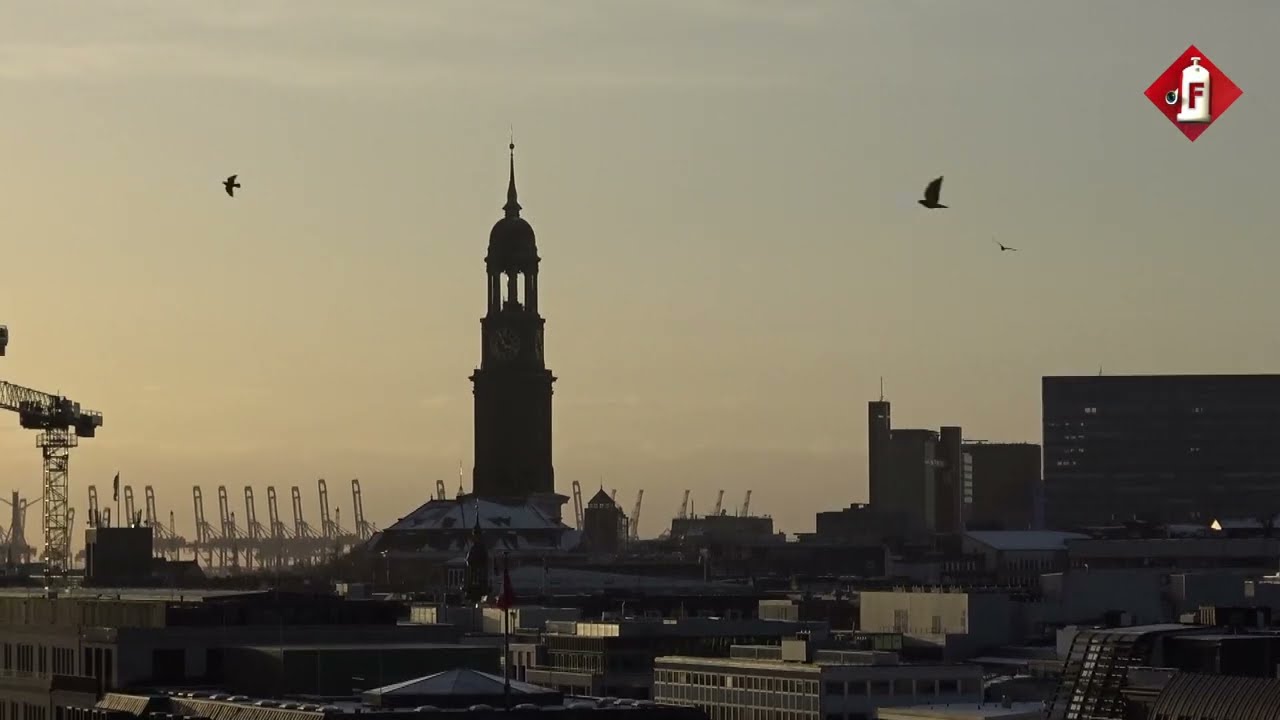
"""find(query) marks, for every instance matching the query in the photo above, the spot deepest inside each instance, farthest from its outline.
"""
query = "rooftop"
(1024, 540)
(967, 710)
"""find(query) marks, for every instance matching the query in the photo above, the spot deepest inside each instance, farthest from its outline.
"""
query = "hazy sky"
(723, 192)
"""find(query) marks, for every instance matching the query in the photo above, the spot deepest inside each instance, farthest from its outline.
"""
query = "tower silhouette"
(512, 386)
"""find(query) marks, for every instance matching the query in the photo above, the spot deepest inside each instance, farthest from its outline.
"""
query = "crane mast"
(328, 530)
(719, 503)
(634, 525)
(129, 516)
(684, 506)
(364, 529)
(746, 505)
(577, 504)
(61, 423)
(93, 506)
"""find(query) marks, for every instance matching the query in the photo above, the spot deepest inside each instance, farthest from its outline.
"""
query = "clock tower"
(512, 386)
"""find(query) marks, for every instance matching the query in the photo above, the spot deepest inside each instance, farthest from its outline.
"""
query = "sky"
(724, 195)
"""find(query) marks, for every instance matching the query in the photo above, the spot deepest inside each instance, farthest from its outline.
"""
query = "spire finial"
(512, 207)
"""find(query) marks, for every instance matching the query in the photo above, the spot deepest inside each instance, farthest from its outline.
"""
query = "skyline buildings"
(724, 214)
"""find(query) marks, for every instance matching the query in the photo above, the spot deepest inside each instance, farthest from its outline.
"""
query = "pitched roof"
(601, 498)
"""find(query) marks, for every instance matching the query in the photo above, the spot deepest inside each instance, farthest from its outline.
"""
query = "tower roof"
(511, 241)
(601, 498)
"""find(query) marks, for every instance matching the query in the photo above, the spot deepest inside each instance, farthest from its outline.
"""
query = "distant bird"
(1003, 247)
(230, 184)
(931, 195)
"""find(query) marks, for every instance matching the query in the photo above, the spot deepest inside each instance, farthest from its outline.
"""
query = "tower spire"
(512, 207)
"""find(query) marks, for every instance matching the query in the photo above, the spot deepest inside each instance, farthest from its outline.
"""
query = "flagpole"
(506, 628)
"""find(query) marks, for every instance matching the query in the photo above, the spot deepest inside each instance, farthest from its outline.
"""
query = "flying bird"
(230, 184)
(1003, 247)
(931, 195)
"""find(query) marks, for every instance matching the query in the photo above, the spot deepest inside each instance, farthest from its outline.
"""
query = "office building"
(917, 475)
(1004, 487)
(1164, 448)
(795, 681)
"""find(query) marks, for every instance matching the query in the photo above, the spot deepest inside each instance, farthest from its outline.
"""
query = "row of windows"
(740, 682)
(718, 696)
(905, 686)
(688, 685)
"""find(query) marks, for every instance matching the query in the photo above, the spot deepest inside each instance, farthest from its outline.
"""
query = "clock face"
(505, 343)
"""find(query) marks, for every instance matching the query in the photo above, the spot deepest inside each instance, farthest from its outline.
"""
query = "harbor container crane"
(61, 422)
(634, 525)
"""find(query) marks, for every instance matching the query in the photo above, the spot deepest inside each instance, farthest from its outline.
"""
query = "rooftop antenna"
(881, 388)
(1099, 370)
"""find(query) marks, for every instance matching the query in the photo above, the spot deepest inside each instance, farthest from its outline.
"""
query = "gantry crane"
(15, 540)
(634, 525)
(308, 542)
(684, 506)
(167, 541)
(206, 536)
(328, 528)
(279, 532)
(130, 517)
(746, 506)
(230, 533)
(577, 504)
(440, 491)
(61, 423)
(94, 518)
(364, 528)
(259, 539)
(719, 503)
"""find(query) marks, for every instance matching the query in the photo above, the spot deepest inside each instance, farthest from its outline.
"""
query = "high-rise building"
(917, 475)
(1005, 486)
(512, 387)
(1163, 448)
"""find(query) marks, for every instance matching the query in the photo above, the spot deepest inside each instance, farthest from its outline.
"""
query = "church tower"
(512, 386)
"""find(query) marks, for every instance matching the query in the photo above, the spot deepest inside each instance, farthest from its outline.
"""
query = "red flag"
(508, 597)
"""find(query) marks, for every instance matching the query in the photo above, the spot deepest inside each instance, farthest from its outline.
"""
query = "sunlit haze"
(724, 195)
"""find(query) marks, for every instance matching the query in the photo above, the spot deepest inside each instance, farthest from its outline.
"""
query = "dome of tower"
(511, 241)
(512, 238)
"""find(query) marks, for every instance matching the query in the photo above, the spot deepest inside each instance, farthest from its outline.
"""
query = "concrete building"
(1006, 485)
(452, 695)
(799, 683)
(616, 659)
(916, 475)
(1020, 557)
(97, 642)
(1166, 448)
(956, 624)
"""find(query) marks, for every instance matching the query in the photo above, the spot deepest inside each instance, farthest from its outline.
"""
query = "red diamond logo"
(1193, 93)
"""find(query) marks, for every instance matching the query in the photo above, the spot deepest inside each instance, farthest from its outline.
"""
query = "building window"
(937, 625)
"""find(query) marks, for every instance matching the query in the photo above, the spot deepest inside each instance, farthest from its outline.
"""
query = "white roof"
(1026, 540)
